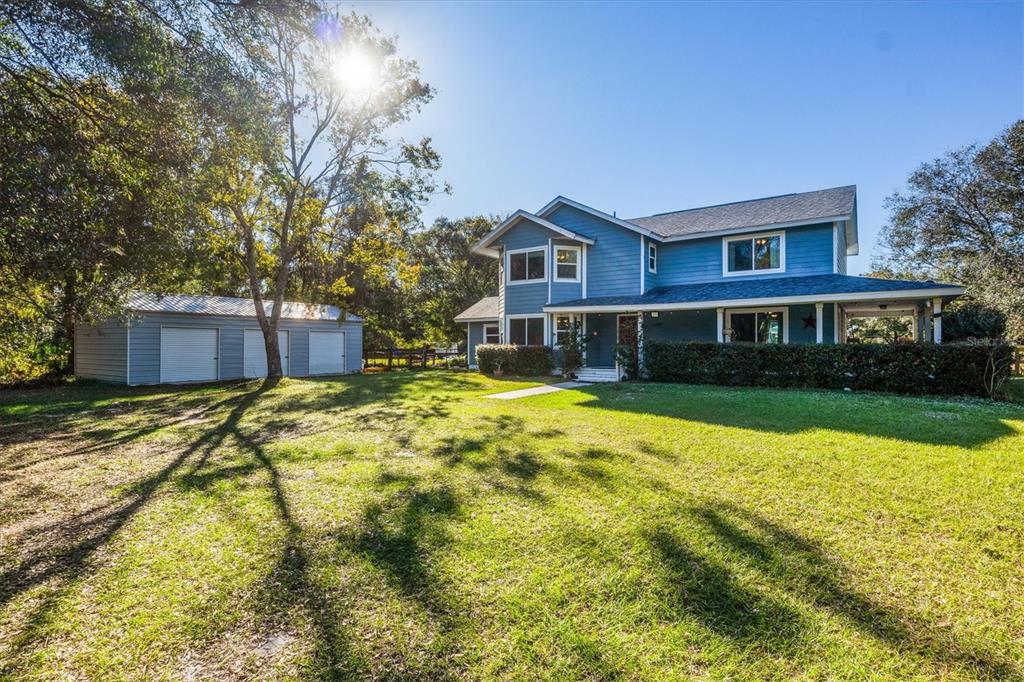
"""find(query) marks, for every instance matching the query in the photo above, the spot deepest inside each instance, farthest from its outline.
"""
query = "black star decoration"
(809, 322)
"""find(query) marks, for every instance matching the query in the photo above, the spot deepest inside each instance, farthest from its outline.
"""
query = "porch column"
(639, 339)
(819, 323)
(720, 314)
(937, 319)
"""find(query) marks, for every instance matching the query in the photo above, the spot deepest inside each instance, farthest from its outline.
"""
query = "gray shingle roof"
(484, 309)
(779, 287)
(145, 302)
(787, 208)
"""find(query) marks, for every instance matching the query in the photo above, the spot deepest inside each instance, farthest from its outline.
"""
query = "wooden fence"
(393, 358)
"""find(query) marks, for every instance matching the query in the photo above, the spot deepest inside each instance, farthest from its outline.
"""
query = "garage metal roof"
(146, 302)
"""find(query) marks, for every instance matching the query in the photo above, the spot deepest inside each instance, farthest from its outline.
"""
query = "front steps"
(597, 375)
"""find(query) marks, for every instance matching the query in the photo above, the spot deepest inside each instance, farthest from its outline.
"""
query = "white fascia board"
(482, 246)
(906, 294)
(753, 228)
(563, 201)
(464, 320)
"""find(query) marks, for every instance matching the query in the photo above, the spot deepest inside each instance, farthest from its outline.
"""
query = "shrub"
(965, 319)
(627, 358)
(511, 359)
(978, 369)
(571, 348)
(454, 362)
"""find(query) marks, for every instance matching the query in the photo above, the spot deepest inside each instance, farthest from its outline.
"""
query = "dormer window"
(754, 254)
(652, 258)
(527, 265)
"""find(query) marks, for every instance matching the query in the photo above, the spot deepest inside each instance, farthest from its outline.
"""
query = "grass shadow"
(930, 421)
(801, 570)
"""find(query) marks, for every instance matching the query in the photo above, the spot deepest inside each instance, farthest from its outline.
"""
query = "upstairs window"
(567, 263)
(759, 253)
(526, 266)
(652, 258)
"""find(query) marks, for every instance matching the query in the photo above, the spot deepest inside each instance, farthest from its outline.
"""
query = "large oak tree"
(961, 218)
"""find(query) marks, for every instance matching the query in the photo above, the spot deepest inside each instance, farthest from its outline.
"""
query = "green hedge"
(978, 369)
(529, 361)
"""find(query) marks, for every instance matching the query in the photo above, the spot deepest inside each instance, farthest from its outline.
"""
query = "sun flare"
(356, 72)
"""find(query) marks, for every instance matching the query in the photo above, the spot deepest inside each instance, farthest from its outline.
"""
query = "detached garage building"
(179, 338)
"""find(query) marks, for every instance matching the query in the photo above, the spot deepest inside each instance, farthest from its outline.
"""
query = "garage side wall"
(100, 352)
(145, 342)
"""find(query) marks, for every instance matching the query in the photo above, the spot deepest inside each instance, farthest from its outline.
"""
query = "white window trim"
(573, 317)
(497, 331)
(579, 263)
(652, 253)
(526, 316)
(785, 319)
(750, 238)
(508, 266)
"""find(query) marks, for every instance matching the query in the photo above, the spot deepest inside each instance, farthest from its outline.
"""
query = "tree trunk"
(70, 304)
(274, 368)
(267, 325)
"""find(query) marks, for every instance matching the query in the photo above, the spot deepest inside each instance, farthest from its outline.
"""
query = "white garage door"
(327, 352)
(188, 354)
(254, 353)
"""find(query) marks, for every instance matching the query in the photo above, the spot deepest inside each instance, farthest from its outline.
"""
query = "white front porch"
(822, 322)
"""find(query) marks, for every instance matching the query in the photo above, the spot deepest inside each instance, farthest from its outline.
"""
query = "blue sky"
(647, 108)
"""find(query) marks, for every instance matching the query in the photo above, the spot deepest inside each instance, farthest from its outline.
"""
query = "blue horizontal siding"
(799, 332)
(100, 352)
(809, 251)
(525, 298)
(529, 297)
(566, 291)
(841, 249)
(525, 235)
(613, 261)
(476, 337)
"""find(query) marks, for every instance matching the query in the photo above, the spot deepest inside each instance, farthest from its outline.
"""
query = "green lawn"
(403, 526)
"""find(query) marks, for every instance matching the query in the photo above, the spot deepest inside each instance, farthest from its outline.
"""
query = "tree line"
(961, 219)
(248, 148)
(218, 147)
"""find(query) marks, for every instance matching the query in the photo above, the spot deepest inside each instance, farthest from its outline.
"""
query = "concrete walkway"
(536, 390)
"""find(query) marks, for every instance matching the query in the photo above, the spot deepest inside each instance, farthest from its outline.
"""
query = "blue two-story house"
(767, 270)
